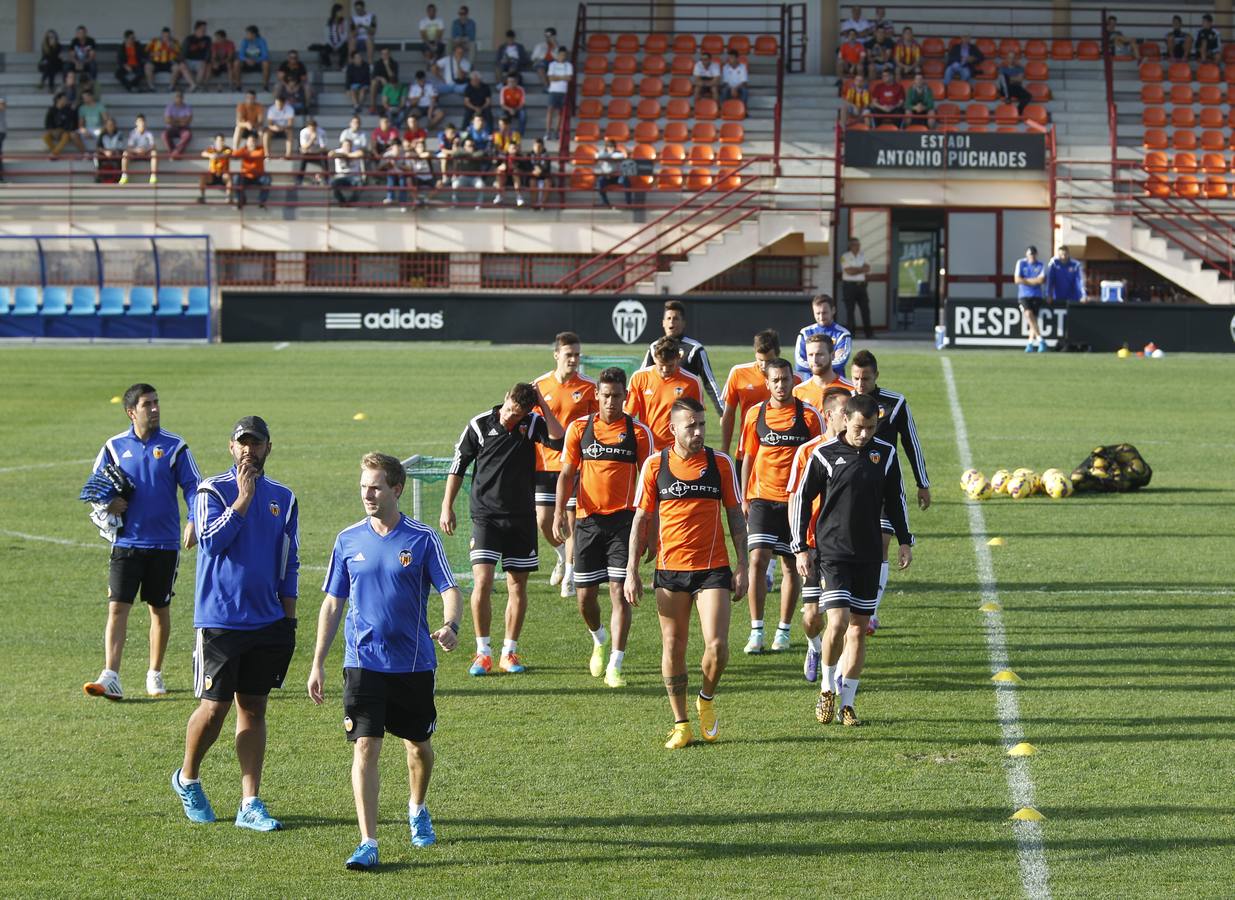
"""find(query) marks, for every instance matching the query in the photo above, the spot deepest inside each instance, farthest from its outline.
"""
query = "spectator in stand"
(392, 97)
(294, 82)
(448, 140)
(735, 76)
(91, 115)
(178, 119)
(512, 166)
(1178, 41)
(469, 164)
(254, 56)
(963, 58)
(882, 20)
(390, 166)
(280, 123)
(252, 173)
(197, 47)
(857, 101)
(383, 137)
(139, 145)
(1012, 82)
(850, 56)
(1065, 279)
(424, 96)
(109, 152)
(506, 132)
(354, 135)
(51, 60)
(131, 64)
(609, 171)
(513, 100)
(348, 162)
(920, 103)
(363, 34)
(907, 56)
(1116, 42)
(880, 54)
(218, 158)
(854, 269)
(478, 100)
(1208, 44)
(413, 131)
(561, 74)
(463, 32)
(359, 82)
(511, 59)
(60, 127)
(540, 172)
(223, 58)
(857, 23)
(478, 133)
(84, 55)
(706, 77)
(69, 88)
(452, 73)
(385, 71)
(312, 150)
(163, 55)
(431, 30)
(250, 119)
(543, 55)
(888, 100)
(334, 39)
(418, 163)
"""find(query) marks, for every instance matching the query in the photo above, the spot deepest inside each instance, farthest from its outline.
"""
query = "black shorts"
(546, 490)
(693, 582)
(512, 542)
(219, 68)
(227, 662)
(768, 527)
(162, 66)
(885, 525)
(398, 702)
(213, 179)
(849, 585)
(1030, 304)
(151, 570)
(602, 547)
(251, 66)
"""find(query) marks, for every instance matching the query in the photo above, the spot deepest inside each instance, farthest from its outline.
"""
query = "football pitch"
(1116, 615)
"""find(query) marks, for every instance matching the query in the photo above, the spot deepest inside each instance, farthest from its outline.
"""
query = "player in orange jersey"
(819, 350)
(570, 395)
(771, 433)
(654, 389)
(600, 462)
(832, 410)
(747, 385)
(683, 488)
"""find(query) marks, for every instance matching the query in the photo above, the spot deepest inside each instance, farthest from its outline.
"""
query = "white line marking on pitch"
(282, 345)
(1030, 841)
(63, 542)
(46, 465)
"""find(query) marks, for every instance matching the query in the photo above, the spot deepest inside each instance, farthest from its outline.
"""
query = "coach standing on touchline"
(245, 615)
(145, 556)
(853, 272)
(1065, 279)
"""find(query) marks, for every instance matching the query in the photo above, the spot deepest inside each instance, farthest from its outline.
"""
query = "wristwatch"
(453, 626)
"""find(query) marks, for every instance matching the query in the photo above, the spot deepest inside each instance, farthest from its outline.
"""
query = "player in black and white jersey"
(694, 356)
(858, 477)
(896, 426)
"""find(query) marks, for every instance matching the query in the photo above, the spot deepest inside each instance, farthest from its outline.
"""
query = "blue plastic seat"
(199, 301)
(111, 301)
(84, 298)
(55, 301)
(26, 301)
(6, 300)
(141, 301)
(171, 301)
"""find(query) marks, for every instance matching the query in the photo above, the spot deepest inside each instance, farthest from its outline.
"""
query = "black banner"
(1000, 323)
(499, 318)
(935, 150)
(1193, 327)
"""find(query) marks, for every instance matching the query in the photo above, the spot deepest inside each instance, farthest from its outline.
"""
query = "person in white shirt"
(312, 150)
(854, 270)
(423, 97)
(560, 74)
(354, 136)
(348, 172)
(431, 30)
(140, 145)
(860, 26)
(706, 77)
(543, 54)
(452, 73)
(280, 122)
(734, 76)
(363, 31)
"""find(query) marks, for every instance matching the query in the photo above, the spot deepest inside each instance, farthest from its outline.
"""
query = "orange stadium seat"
(617, 131)
(647, 132)
(584, 154)
(654, 64)
(1039, 91)
(1036, 112)
(673, 154)
(986, 45)
(730, 154)
(1211, 117)
(703, 133)
(1231, 120)
(1155, 139)
(1009, 45)
(1181, 94)
(1213, 164)
(1155, 161)
(1037, 70)
(582, 180)
(1216, 188)
(622, 86)
(949, 115)
(1212, 139)
(598, 43)
(1211, 95)
(653, 86)
(648, 109)
(1152, 95)
(986, 91)
(733, 110)
(977, 117)
(677, 132)
(1061, 49)
(625, 65)
(857, 126)
(702, 155)
(1184, 140)
(1184, 163)
(959, 91)
(644, 182)
(933, 48)
(682, 65)
(684, 43)
(587, 131)
(593, 86)
(1088, 50)
(1183, 117)
(1035, 49)
(1228, 53)
(590, 108)
(739, 44)
(699, 179)
(712, 43)
(595, 64)
(940, 92)
(618, 109)
(732, 133)
(887, 126)
(1157, 186)
(767, 45)
(1151, 73)
(1006, 115)
(933, 69)
(988, 70)
(669, 179)
(680, 86)
(706, 108)
(1150, 49)
(1187, 186)
(626, 43)
(678, 108)
(1230, 73)
(1208, 73)
(1179, 73)
(916, 127)
(1153, 117)
(656, 43)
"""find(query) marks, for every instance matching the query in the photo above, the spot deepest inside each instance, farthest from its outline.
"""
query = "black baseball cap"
(251, 425)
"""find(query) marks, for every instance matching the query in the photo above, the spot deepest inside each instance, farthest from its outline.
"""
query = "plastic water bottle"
(941, 337)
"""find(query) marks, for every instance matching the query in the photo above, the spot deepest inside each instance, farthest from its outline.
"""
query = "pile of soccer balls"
(1018, 484)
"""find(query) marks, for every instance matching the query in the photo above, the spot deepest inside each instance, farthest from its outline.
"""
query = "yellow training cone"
(1027, 814)
(359, 417)
(115, 399)
(990, 607)
(996, 542)
(1007, 675)
(1024, 748)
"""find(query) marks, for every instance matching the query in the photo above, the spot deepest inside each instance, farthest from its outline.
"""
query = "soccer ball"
(979, 489)
(1057, 485)
(1020, 486)
(1035, 482)
(968, 477)
(1050, 473)
(999, 481)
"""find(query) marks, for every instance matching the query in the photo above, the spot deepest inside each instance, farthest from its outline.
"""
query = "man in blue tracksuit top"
(824, 309)
(245, 615)
(1065, 280)
(146, 553)
(1029, 275)
(381, 570)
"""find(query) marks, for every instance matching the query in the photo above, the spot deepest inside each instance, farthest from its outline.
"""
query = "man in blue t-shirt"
(385, 565)
(1029, 274)
(1065, 280)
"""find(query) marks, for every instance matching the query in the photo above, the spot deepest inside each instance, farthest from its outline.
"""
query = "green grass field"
(1117, 612)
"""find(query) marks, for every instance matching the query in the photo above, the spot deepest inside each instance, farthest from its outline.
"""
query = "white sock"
(816, 643)
(369, 842)
(108, 673)
(570, 573)
(756, 624)
(838, 680)
(560, 550)
(247, 802)
(599, 636)
(509, 647)
(415, 809)
(187, 781)
(883, 583)
(829, 678)
(153, 672)
(483, 646)
(615, 658)
(848, 691)
(784, 626)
